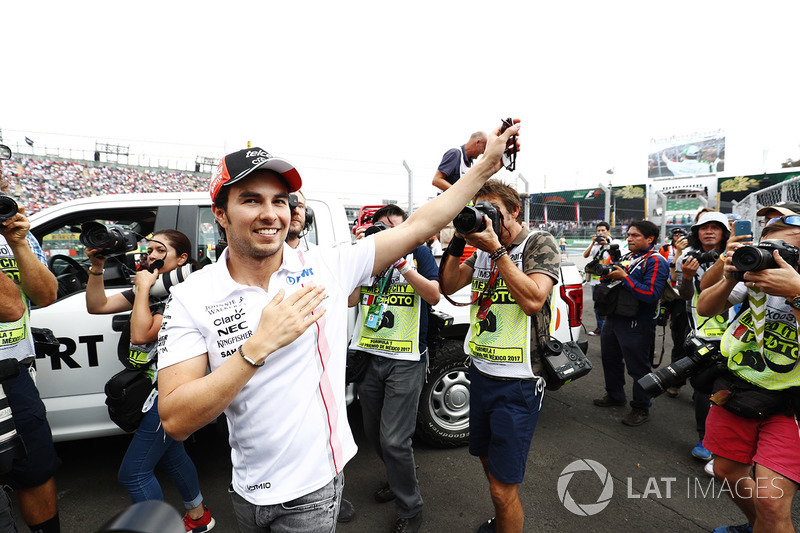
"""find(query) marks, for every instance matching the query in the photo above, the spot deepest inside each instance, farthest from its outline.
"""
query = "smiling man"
(271, 323)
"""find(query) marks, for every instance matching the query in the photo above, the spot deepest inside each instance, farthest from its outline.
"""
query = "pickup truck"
(71, 378)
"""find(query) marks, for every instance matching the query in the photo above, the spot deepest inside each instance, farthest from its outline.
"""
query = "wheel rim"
(449, 400)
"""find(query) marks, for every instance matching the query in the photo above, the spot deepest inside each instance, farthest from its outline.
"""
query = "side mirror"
(5, 152)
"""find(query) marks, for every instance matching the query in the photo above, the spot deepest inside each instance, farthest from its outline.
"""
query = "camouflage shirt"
(541, 254)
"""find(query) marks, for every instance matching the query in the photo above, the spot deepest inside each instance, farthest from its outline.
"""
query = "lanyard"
(488, 290)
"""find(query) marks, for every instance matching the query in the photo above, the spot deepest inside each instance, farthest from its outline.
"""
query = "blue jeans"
(151, 446)
(626, 344)
(389, 396)
(315, 512)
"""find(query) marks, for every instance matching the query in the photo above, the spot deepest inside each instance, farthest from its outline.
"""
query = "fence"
(577, 220)
(788, 190)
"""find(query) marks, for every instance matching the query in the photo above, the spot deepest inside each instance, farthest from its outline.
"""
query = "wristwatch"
(794, 302)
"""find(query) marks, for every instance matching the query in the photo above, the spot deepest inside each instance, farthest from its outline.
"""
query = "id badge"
(375, 314)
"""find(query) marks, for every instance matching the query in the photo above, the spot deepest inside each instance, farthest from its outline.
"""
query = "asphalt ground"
(638, 479)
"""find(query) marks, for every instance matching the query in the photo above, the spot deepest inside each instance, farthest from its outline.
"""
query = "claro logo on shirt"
(291, 280)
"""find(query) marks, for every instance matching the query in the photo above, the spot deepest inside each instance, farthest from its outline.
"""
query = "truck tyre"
(443, 415)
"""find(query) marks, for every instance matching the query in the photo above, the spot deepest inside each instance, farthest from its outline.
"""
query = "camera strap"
(378, 305)
(488, 290)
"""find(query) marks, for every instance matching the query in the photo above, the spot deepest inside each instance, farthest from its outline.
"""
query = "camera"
(702, 257)
(596, 268)
(510, 154)
(759, 257)
(8, 207)
(603, 270)
(164, 283)
(470, 219)
(375, 228)
(111, 241)
(600, 239)
(702, 354)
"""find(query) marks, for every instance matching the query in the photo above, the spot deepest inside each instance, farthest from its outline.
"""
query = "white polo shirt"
(289, 433)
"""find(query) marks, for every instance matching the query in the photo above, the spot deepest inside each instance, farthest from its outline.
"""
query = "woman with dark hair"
(167, 250)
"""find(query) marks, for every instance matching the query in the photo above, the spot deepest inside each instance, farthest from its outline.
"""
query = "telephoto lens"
(165, 282)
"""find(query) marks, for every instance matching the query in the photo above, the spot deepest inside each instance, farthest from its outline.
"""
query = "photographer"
(512, 275)
(714, 274)
(755, 424)
(23, 262)
(167, 250)
(708, 239)
(393, 340)
(598, 250)
(630, 297)
(671, 301)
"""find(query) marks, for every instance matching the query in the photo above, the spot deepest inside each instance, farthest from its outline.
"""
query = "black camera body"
(759, 257)
(702, 354)
(702, 257)
(375, 228)
(8, 207)
(470, 219)
(111, 241)
(598, 269)
(601, 239)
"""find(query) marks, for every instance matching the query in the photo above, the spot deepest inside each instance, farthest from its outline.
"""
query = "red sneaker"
(202, 524)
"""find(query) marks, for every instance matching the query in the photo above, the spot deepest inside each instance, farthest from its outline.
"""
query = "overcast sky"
(348, 90)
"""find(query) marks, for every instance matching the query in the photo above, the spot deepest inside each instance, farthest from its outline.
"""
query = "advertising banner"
(687, 155)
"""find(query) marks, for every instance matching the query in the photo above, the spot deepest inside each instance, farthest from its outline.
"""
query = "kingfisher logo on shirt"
(291, 280)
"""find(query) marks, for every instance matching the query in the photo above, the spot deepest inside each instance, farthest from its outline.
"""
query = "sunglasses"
(792, 220)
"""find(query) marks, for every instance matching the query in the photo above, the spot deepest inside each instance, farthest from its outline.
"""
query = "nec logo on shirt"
(291, 280)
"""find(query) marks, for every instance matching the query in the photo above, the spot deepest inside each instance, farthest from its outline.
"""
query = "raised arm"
(97, 303)
(11, 305)
(396, 242)
(35, 278)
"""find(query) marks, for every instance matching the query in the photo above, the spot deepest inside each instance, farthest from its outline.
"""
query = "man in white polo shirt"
(270, 322)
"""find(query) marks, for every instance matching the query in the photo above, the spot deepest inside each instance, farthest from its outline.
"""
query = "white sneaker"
(709, 468)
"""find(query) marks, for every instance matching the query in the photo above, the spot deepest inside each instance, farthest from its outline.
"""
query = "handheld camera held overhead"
(510, 155)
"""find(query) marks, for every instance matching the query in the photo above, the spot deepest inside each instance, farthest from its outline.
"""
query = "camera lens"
(751, 258)
(659, 381)
(469, 220)
(8, 207)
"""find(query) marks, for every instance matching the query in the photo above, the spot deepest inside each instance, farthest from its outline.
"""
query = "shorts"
(30, 418)
(502, 418)
(772, 442)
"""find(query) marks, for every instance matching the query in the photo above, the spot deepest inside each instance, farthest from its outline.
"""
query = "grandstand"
(40, 183)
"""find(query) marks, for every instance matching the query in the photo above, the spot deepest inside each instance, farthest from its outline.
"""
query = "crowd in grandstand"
(45, 182)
